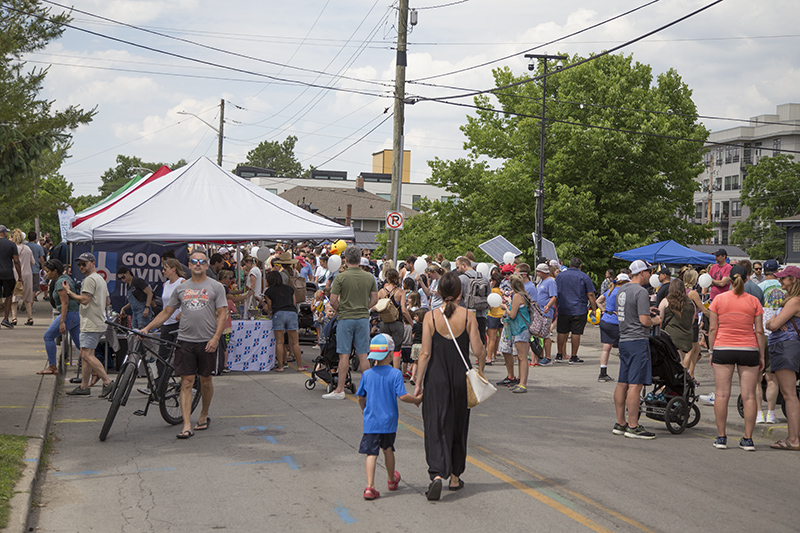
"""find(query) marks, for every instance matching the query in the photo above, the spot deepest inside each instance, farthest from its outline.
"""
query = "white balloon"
(381, 276)
(420, 265)
(334, 262)
(263, 254)
(494, 300)
(254, 251)
(654, 281)
(237, 256)
(483, 270)
(705, 281)
(508, 258)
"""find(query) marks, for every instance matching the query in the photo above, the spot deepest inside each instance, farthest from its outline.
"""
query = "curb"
(37, 431)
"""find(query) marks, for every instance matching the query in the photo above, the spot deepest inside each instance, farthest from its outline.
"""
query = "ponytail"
(450, 290)
(738, 284)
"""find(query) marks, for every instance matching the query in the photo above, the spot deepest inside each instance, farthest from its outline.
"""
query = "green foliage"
(12, 450)
(127, 168)
(277, 156)
(29, 127)
(606, 190)
(771, 189)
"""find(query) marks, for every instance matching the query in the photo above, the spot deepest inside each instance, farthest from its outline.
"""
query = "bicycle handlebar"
(138, 333)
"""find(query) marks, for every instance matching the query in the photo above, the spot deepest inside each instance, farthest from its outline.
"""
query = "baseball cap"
(223, 250)
(721, 251)
(790, 270)
(364, 262)
(3, 229)
(664, 270)
(88, 257)
(740, 270)
(639, 266)
(553, 263)
(380, 346)
(771, 266)
(542, 267)
(507, 268)
(622, 277)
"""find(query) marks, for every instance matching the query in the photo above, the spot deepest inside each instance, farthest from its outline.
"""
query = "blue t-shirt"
(573, 288)
(530, 288)
(546, 290)
(610, 316)
(382, 385)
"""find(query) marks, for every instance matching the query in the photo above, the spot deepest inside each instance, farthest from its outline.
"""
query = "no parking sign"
(394, 220)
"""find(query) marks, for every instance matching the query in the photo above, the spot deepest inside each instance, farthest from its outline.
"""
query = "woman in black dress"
(442, 376)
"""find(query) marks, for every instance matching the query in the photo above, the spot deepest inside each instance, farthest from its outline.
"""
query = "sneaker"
(507, 381)
(707, 399)
(721, 443)
(771, 417)
(514, 382)
(747, 445)
(7, 324)
(604, 378)
(78, 391)
(619, 429)
(639, 433)
(546, 362)
(760, 418)
(107, 389)
(575, 360)
(519, 389)
(334, 396)
(559, 358)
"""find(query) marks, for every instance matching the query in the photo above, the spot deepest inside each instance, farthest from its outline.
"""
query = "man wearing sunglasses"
(204, 309)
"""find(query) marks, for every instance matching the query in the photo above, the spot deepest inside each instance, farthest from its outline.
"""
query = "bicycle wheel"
(120, 393)
(170, 403)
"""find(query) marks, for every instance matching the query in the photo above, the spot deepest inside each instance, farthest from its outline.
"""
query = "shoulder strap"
(454, 338)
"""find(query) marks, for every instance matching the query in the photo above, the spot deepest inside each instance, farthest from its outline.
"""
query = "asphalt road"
(277, 458)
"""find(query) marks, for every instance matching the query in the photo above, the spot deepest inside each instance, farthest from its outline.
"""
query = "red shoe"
(393, 484)
(371, 494)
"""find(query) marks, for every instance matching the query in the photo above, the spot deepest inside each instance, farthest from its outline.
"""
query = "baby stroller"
(305, 317)
(325, 366)
(672, 398)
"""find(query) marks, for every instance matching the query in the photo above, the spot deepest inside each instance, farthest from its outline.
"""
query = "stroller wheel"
(676, 415)
(694, 416)
(352, 388)
(310, 384)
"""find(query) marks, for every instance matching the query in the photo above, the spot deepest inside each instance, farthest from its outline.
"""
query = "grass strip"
(12, 452)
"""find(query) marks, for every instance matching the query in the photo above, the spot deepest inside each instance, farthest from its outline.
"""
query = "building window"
(736, 208)
(735, 152)
(718, 184)
(776, 147)
(796, 240)
(705, 185)
(707, 159)
(728, 183)
(724, 237)
(748, 159)
(384, 195)
(273, 191)
(698, 210)
(716, 210)
(728, 154)
(735, 183)
(719, 155)
(415, 201)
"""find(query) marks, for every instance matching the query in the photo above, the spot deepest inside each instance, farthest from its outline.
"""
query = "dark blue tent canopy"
(667, 252)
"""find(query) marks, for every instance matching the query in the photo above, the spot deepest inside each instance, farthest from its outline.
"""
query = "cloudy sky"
(274, 60)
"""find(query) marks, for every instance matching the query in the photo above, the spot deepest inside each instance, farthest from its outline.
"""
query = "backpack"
(478, 290)
(299, 285)
(388, 310)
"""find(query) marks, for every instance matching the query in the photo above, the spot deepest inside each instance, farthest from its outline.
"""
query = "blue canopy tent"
(667, 252)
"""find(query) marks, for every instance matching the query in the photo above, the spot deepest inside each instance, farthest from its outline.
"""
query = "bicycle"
(164, 389)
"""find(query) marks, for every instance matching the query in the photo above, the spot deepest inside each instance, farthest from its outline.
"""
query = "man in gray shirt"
(204, 309)
(633, 311)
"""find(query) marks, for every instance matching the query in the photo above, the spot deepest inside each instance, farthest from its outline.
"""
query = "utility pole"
(539, 193)
(710, 198)
(392, 236)
(221, 123)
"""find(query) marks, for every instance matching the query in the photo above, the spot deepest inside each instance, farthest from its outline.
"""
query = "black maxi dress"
(444, 406)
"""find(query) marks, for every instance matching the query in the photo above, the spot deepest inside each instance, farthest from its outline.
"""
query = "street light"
(218, 131)
(539, 193)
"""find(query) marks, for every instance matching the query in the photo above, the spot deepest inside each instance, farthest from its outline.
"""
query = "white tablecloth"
(252, 346)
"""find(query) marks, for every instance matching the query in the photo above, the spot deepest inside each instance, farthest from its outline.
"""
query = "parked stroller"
(307, 333)
(672, 399)
(325, 366)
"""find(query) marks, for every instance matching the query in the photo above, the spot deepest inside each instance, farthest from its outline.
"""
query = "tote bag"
(478, 387)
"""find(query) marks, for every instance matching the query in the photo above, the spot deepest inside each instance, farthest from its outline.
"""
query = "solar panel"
(548, 248)
(497, 247)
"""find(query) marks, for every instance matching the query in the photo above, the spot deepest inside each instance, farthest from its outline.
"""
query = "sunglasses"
(82, 264)
(757, 268)
(198, 261)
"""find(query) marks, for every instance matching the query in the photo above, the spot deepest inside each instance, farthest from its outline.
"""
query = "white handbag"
(478, 387)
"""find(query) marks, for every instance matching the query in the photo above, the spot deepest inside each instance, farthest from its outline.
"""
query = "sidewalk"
(27, 401)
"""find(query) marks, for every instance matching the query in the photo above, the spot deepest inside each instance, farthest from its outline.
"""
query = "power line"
(346, 138)
(581, 62)
(455, 3)
(538, 46)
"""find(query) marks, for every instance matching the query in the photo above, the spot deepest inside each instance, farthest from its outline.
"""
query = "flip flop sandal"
(457, 487)
(371, 494)
(185, 434)
(393, 484)
(29, 322)
(302, 369)
(434, 491)
(783, 445)
(204, 426)
(47, 371)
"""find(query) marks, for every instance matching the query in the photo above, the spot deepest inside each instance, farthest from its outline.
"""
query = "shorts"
(494, 323)
(373, 443)
(695, 332)
(745, 357)
(634, 362)
(570, 324)
(90, 339)
(406, 355)
(192, 358)
(415, 349)
(284, 321)
(352, 332)
(609, 333)
(509, 344)
(395, 330)
(784, 356)
(7, 287)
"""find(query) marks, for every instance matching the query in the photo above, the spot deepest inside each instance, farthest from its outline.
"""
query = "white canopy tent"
(203, 202)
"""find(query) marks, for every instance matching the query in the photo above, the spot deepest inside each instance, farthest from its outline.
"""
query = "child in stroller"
(325, 366)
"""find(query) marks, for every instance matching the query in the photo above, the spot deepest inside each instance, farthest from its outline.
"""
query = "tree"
(771, 189)
(29, 127)
(277, 156)
(127, 168)
(616, 176)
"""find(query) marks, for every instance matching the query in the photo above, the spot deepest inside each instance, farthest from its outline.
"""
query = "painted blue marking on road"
(271, 439)
(268, 438)
(286, 459)
(344, 513)
(31, 460)
(84, 473)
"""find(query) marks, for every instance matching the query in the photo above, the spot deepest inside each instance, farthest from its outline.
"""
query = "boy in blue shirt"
(377, 394)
